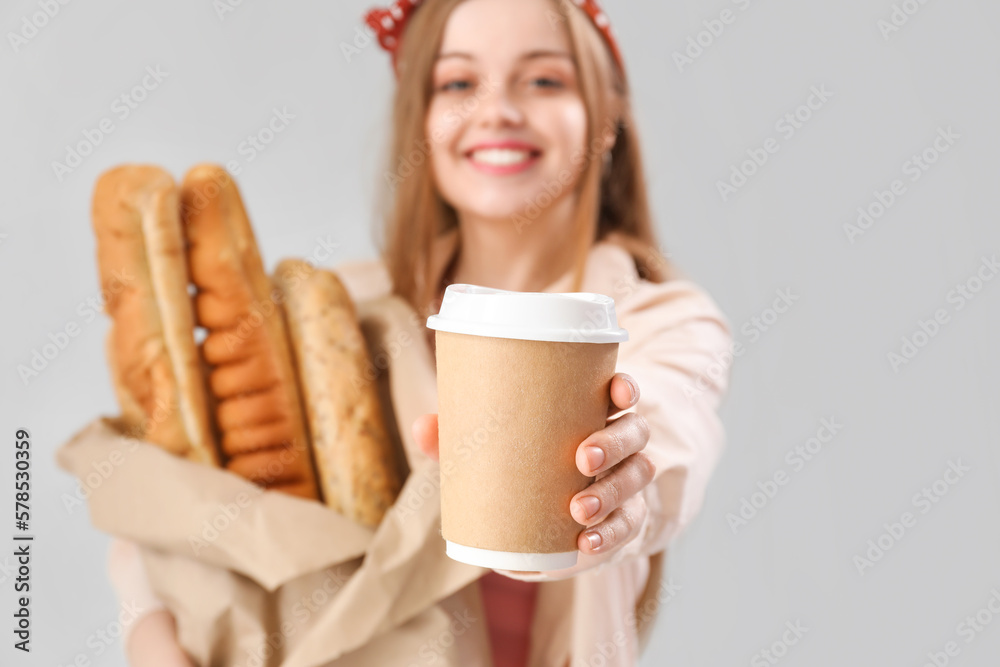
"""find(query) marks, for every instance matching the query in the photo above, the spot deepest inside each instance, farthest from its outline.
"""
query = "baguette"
(152, 355)
(252, 381)
(355, 459)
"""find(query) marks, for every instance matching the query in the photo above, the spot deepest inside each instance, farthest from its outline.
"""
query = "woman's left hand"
(613, 508)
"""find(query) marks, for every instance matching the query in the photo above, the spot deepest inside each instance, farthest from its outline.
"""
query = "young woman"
(533, 182)
(515, 164)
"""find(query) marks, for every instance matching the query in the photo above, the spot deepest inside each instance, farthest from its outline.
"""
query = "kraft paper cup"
(523, 378)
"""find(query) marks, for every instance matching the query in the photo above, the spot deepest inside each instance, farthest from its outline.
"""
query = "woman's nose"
(498, 106)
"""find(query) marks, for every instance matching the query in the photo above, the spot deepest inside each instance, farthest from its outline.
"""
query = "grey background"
(825, 357)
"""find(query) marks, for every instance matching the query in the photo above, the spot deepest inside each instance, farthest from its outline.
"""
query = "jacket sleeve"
(680, 351)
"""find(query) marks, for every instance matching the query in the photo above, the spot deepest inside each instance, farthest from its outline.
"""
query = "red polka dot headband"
(389, 24)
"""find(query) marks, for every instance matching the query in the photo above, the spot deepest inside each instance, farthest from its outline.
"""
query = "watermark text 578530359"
(22, 541)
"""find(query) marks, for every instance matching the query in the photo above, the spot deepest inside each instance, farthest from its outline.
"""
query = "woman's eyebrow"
(545, 53)
(541, 53)
(455, 54)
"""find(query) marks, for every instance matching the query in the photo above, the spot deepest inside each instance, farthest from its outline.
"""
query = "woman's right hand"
(425, 432)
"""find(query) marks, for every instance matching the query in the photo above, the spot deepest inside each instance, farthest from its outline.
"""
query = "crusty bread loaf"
(154, 362)
(275, 353)
(252, 380)
(354, 456)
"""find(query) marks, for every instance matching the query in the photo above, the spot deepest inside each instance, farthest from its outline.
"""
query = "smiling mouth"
(503, 158)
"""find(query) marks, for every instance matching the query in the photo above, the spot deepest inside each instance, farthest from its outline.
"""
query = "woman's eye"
(546, 82)
(457, 85)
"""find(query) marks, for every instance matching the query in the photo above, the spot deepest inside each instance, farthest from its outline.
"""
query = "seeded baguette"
(252, 380)
(355, 458)
(152, 355)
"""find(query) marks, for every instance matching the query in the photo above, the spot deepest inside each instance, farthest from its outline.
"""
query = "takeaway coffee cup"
(523, 378)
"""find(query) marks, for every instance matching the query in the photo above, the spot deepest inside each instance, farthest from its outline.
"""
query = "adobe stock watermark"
(666, 592)
(129, 441)
(700, 42)
(796, 458)
(605, 651)
(260, 311)
(302, 610)
(772, 655)
(753, 329)
(383, 358)
(623, 287)
(787, 126)
(968, 629)
(555, 187)
(364, 37)
(433, 648)
(57, 341)
(421, 153)
(122, 108)
(899, 16)
(258, 142)
(927, 330)
(655, 259)
(32, 24)
(225, 516)
(414, 496)
(923, 501)
(914, 167)
(224, 7)
(323, 251)
(107, 636)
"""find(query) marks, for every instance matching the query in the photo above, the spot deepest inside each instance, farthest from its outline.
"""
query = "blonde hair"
(612, 206)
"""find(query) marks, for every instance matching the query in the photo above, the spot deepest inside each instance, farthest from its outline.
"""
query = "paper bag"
(263, 579)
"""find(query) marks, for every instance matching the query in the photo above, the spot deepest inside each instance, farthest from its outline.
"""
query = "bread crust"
(252, 380)
(152, 355)
(355, 458)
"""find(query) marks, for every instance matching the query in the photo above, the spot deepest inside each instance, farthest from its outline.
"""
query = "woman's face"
(506, 122)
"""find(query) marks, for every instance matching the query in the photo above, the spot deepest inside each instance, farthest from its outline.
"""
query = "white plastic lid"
(576, 317)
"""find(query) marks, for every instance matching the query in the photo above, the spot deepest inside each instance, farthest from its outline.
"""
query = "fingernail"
(632, 388)
(589, 505)
(595, 457)
(594, 539)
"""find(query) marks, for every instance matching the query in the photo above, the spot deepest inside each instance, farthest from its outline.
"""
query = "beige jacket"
(602, 610)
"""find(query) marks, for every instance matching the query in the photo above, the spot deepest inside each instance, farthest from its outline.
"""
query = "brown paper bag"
(263, 579)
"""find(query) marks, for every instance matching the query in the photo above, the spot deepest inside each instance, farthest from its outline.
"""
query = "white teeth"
(500, 157)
